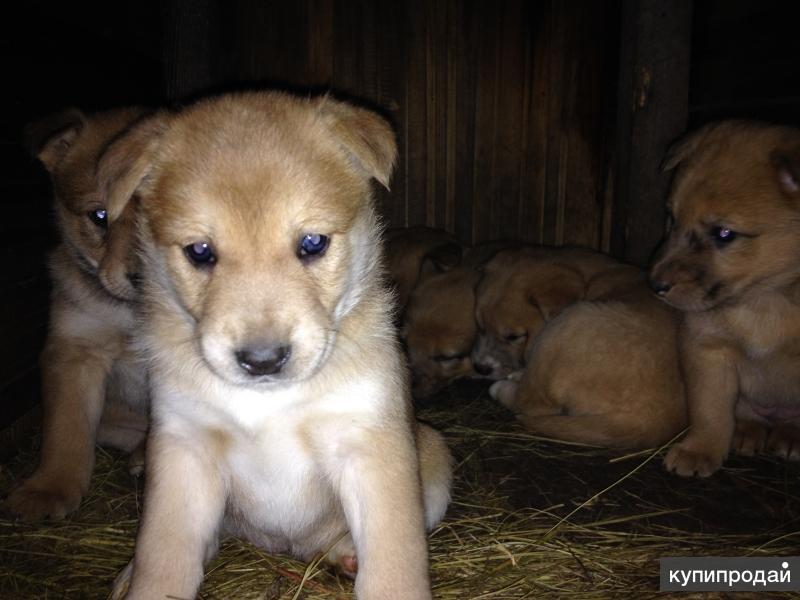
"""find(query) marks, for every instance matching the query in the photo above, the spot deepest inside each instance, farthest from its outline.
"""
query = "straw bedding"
(529, 518)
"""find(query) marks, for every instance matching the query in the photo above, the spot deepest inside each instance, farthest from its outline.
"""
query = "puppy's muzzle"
(482, 369)
(660, 286)
(263, 360)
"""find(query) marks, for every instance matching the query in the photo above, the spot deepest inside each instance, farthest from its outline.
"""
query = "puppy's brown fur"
(523, 289)
(87, 364)
(280, 406)
(730, 263)
(439, 321)
(408, 251)
(600, 355)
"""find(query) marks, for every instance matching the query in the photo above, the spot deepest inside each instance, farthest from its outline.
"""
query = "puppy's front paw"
(504, 391)
(687, 460)
(750, 438)
(35, 500)
(122, 582)
(784, 442)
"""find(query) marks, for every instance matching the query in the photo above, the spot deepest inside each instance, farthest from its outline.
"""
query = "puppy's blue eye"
(99, 217)
(312, 244)
(200, 254)
(723, 235)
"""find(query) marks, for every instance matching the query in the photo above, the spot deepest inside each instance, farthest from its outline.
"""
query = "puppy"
(280, 406)
(600, 353)
(93, 388)
(408, 250)
(522, 289)
(438, 326)
(730, 263)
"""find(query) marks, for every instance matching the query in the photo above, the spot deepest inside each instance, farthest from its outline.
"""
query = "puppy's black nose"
(265, 360)
(482, 369)
(660, 287)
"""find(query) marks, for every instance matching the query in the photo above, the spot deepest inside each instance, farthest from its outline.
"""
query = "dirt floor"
(529, 519)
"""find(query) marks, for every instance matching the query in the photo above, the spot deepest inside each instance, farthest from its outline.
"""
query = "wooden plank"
(653, 110)
(510, 101)
(391, 17)
(319, 24)
(468, 34)
(486, 91)
(187, 53)
(416, 130)
(534, 177)
(553, 205)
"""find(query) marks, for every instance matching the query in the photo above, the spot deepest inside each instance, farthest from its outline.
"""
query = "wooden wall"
(503, 108)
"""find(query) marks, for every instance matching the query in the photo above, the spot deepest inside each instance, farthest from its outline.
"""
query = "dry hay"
(529, 518)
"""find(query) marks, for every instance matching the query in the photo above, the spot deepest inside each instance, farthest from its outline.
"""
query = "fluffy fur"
(730, 264)
(592, 356)
(93, 387)
(438, 326)
(280, 404)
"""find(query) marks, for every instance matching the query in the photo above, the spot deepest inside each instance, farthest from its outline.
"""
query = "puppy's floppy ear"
(119, 267)
(440, 259)
(684, 148)
(121, 171)
(128, 160)
(787, 165)
(366, 137)
(49, 139)
(445, 256)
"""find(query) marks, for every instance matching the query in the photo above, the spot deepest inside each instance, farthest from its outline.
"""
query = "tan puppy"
(438, 326)
(408, 250)
(603, 370)
(87, 365)
(280, 404)
(730, 262)
(523, 289)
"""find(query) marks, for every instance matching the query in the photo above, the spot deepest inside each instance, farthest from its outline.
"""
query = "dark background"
(542, 120)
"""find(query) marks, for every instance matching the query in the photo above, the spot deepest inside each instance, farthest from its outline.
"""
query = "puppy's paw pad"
(30, 503)
(688, 461)
(749, 438)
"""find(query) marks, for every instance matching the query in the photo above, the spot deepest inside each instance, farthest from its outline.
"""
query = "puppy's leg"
(784, 440)
(436, 471)
(712, 389)
(73, 388)
(379, 484)
(183, 508)
(749, 438)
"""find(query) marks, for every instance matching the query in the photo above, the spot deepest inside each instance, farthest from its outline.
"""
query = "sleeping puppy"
(730, 263)
(600, 353)
(522, 289)
(408, 250)
(93, 387)
(280, 404)
(438, 326)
